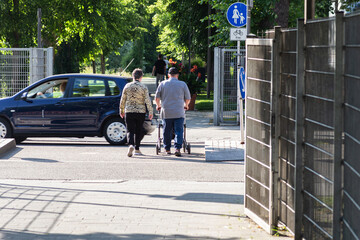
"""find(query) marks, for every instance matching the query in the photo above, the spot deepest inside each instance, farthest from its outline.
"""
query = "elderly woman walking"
(134, 101)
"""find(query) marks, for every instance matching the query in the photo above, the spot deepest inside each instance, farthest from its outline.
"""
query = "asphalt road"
(95, 159)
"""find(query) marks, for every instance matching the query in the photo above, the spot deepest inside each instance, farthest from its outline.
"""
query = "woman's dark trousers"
(134, 124)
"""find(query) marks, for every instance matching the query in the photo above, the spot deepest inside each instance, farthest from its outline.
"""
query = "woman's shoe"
(130, 151)
(138, 152)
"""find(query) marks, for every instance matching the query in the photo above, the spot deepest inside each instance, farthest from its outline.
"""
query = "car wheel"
(5, 129)
(115, 131)
(19, 139)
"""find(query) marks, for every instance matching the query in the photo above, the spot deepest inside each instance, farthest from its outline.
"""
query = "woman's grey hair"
(137, 74)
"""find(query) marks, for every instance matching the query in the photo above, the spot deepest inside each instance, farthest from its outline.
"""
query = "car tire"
(115, 131)
(20, 139)
(5, 129)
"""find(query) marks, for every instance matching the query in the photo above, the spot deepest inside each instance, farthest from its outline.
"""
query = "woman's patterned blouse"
(134, 97)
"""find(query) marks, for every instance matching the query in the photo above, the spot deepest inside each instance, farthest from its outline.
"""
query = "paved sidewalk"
(141, 209)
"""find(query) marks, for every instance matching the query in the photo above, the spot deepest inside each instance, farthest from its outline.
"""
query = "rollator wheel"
(188, 148)
(157, 150)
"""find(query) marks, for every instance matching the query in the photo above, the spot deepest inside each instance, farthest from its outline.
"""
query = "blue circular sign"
(237, 14)
(242, 81)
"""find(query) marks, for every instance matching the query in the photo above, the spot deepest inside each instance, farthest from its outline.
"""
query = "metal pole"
(248, 21)
(338, 125)
(275, 127)
(216, 85)
(49, 61)
(240, 100)
(39, 28)
(309, 10)
(299, 129)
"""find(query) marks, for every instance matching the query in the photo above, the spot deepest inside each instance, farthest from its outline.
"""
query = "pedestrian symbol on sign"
(236, 14)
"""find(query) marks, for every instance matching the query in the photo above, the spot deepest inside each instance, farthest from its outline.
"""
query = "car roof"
(87, 75)
(70, 75)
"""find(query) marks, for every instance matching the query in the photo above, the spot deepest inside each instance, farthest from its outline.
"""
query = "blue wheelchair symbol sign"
(242, 82)
(237, 14)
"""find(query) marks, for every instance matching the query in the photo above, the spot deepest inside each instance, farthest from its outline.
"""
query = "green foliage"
(181, 28)
(18, 22)
(203, 103)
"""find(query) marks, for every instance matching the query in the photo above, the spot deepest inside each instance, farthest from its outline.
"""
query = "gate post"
(216, 86)
(299, 128)
(338, 124)
(275, 127)
(37, 64)
(49, 61)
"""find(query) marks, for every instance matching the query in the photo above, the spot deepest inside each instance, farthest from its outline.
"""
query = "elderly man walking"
(173, 97)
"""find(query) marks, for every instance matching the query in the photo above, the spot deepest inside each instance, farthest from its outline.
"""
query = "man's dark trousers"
(176, 124)
(134, 124)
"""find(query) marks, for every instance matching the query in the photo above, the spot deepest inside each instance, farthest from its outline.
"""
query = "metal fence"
(286, 139)
(20, 67)
(225, 85)
(303, 139)
(351, 196)
(258, 161)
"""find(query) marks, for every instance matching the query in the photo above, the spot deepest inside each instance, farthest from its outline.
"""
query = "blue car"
(68, 105)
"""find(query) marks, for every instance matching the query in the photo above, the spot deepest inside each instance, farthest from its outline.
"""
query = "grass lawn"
(203, 103)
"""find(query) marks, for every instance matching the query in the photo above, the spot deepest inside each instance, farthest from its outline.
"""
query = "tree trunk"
(102, 64)
(94, 66)
(282, 11)
(210, 58)
(309, 9)
(15, 16)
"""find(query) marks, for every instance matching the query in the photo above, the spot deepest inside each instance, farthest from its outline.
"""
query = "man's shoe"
(130, 151)
(177, 153)
(138, 152)
(168, 152)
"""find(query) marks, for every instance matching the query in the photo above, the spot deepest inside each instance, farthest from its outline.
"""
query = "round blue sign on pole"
(237, 14)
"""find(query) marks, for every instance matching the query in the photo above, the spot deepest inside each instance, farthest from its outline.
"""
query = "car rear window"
(88, 88)
(114, 89)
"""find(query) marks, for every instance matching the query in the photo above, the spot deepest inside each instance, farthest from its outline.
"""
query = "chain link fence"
(225, 85)
(20, 67)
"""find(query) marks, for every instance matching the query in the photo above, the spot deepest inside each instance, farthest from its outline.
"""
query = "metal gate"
(225, 85)
(20, 67)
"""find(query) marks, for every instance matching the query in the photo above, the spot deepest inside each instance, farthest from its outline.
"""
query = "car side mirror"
(24, 96)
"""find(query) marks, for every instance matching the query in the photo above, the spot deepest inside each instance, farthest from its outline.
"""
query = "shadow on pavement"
(13, 235)
(45, 206)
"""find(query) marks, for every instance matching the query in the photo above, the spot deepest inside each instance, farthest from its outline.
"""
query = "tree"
(181, 27)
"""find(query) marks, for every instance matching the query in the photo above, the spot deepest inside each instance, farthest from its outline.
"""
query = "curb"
(6, 145)
(223, 150)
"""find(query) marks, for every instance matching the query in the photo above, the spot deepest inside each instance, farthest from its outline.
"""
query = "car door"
(85, 99)
(29, 116)
(54, 110)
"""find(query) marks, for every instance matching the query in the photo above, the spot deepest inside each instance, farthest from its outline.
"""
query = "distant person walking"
(134, 101)
(159, 69)
(166, 67)
(173, 97)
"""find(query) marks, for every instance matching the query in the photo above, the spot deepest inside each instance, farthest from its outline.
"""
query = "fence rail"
(302, 129)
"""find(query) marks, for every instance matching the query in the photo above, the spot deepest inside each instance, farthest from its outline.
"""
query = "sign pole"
(240, 100)
(237, 16)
